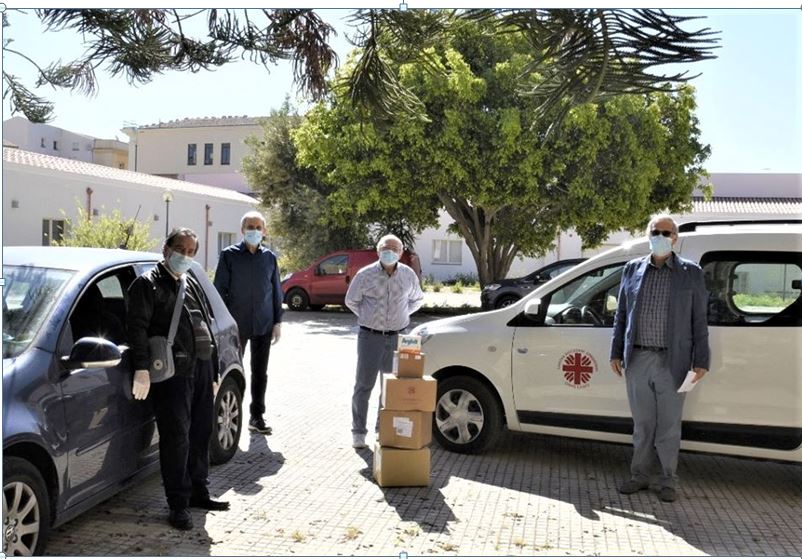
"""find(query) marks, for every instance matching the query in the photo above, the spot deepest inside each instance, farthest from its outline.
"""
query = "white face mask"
(388, 257)
(660, 246)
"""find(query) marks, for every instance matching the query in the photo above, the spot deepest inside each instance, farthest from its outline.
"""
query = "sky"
(749, 97)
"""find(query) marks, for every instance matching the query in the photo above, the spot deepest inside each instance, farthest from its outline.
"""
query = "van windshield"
(28, 297)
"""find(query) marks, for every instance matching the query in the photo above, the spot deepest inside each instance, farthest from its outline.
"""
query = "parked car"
(507, 291)
(541, 365)
(326, 280)
(73, 435)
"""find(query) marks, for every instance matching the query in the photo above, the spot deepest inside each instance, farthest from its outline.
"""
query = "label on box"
(409, 344)
(403, 426)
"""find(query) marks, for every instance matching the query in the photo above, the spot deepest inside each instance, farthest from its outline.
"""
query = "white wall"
(30, 136)
(163, 151)
(41, 193)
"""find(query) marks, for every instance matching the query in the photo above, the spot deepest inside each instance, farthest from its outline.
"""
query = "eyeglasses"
(656, 232)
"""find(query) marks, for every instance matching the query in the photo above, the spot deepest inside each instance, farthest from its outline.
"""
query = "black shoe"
(668, 494)
(208, 504)
(633, 486)
(180, 519)
(257, 424)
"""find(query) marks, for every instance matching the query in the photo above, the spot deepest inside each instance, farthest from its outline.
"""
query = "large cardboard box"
(405, 429)
(408, 365)
(395, 467)
(402, 394)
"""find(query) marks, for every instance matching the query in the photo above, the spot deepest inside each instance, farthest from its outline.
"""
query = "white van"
(541, 365)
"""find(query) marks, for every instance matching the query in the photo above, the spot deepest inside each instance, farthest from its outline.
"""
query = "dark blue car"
(72, 434)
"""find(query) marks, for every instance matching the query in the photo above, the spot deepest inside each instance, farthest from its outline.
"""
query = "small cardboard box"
(402, 394)
(405, 429)
(408, 365)
(408, 343)
(395, 467)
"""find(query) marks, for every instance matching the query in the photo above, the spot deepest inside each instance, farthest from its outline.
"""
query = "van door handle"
(522, 350)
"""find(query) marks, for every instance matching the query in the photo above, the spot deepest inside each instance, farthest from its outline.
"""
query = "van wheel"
(467, 417)
(228, 422)
(26, 508)
(297, 300)
(506, 301)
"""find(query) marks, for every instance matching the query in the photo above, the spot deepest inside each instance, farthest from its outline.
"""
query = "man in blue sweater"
(247, 278)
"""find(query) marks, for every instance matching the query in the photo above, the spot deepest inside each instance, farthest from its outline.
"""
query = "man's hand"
(615, 365)
(141, 385)
(276, 333)
(700, 372)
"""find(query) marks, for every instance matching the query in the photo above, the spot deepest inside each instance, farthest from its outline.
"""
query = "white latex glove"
(276, 333)
(141, 384)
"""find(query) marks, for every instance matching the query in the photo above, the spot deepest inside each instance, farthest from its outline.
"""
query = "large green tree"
(582, 54)
(484, 155)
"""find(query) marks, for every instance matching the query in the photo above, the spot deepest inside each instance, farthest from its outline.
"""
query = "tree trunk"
(493, 259)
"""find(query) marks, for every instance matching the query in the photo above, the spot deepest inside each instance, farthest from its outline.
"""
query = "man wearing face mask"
(247, 279)
(184, 403)
(382, 295)
(659, 334)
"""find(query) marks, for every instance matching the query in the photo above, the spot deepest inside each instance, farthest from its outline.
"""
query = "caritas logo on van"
(577, 366)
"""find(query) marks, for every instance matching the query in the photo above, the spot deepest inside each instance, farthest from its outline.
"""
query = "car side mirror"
(92, 353)
(532, 308)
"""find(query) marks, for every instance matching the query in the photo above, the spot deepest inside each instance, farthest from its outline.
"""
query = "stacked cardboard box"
(402, 457)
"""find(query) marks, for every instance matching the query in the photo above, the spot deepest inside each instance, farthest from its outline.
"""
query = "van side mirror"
(532, 308)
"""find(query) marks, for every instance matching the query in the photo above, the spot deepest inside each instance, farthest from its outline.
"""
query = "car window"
(589, 299)
(101, 308)
(333, 265)
(753, 288)
(28, 297)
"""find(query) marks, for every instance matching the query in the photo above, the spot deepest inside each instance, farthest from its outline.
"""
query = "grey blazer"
(688, 345)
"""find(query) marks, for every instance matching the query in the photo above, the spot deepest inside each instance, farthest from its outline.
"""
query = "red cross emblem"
(577, 366)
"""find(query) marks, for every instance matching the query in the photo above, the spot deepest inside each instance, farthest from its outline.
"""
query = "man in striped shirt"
(382, 295)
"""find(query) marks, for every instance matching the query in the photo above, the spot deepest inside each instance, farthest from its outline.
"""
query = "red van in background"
(326, 280)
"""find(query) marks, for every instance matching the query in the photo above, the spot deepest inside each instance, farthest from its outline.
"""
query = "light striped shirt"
(383, 302)
(652, 321)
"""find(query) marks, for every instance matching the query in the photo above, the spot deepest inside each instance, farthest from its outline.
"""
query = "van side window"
(333, 266)
(590, 299)
(753, 288)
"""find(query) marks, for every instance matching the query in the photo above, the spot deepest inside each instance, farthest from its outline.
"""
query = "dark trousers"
(184, 408)
(260, 354)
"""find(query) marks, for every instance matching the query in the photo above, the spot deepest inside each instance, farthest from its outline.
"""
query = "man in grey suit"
(659, 334)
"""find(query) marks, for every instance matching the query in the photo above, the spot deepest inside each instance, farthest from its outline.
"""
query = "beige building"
(201, 150)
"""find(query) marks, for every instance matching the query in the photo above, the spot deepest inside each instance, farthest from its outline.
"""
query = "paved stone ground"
(305, 491)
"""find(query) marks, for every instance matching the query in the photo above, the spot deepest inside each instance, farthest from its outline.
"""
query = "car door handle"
(347, 280)
(521, 350)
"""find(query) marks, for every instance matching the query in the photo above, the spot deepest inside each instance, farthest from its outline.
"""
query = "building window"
(75, 146)
(42, 143)
(208, 154)
(55, 145)
(52, 230)
(224, 240)
(446, 252)
(192, 154)
(225, 154)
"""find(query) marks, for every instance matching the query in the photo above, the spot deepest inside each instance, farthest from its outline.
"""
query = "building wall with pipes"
(40, 190)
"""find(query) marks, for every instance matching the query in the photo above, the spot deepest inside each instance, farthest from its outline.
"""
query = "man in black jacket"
(183, 404)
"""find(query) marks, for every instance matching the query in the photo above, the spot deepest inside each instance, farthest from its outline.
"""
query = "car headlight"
(288, 276)
(491, 287)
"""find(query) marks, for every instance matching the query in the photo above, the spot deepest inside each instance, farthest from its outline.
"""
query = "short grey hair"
(251, 215)
(389, 237)
(169, 241)
(662, 217)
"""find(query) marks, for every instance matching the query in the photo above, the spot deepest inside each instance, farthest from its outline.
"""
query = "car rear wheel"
(506, 301)
(297, 300)
(26, 508)
(467, 417)
(228, 421)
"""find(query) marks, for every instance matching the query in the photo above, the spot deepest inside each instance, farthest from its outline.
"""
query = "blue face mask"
(388, 257)
(660, 246)
(179, 263)
(253, 237)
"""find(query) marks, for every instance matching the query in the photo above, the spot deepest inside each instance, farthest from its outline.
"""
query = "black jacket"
(151, 300)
